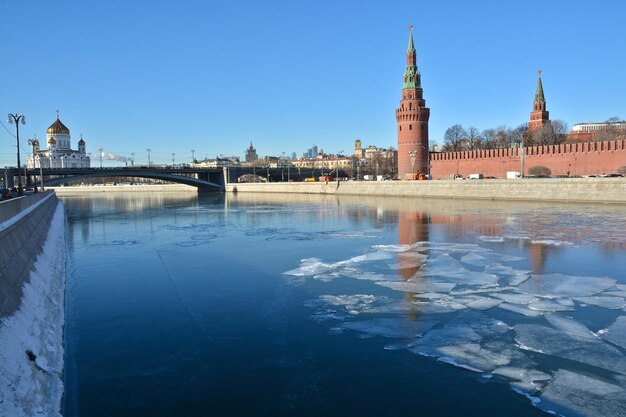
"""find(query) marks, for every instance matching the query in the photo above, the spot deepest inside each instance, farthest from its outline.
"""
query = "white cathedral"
(59, 153)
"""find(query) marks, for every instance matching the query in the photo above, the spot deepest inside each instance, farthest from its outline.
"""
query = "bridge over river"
(205, 179)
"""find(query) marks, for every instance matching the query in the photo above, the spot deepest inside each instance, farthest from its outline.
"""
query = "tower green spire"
(539, 93)
(412, 78)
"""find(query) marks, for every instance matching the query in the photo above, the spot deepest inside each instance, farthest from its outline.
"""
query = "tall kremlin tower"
(412, 117)
(539, 116)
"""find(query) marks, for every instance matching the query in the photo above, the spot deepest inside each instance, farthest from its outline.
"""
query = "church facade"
(59, 153)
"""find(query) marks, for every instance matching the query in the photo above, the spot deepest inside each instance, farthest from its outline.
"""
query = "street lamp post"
(33, 142)
(173, 163)
(412, 155)
(522, 159)
(337, 167)
(100, 150)
(149, 150)
(17, 119)
(132, 159)
(193, 156)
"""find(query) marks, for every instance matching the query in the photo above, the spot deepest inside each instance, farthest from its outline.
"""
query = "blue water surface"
(270, 305)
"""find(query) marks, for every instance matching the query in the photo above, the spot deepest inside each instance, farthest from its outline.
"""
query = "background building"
(59, 153)
(251, 154)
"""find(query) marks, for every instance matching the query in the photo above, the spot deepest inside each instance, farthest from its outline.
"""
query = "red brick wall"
(591, 158)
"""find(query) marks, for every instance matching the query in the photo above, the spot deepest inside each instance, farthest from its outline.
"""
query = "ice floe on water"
(616, 333)
(577, 394)
(471, 307)
(559, 285)
(391, 327)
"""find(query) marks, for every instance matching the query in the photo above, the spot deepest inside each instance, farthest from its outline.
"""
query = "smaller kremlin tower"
(539, 117)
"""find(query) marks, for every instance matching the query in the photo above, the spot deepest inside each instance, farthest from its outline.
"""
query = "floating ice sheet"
(575, 394)
(591, 351)
(616, 332)
(483, 303)
(519, 309)
(442, 265)
(419, 286)
(571, 327)
(449, 334)
(613, 303)
(494, 239)
(559, 285)
(549, 305)
(399, 328)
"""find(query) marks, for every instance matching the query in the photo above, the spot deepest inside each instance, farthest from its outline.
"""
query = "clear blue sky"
(215, 75)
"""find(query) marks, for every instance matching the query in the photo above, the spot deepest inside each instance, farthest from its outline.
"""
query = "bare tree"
(489, 139)
(454, 138)
(502, 139)
(612, 131)
(474, 139)
(553, 133)
(519, 134)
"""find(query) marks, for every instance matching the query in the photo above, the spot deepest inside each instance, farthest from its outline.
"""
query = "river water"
(270, 305)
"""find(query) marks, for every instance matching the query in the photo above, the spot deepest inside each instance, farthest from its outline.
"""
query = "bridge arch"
(180, 179)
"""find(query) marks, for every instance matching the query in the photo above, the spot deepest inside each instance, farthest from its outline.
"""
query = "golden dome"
(58, 128)
(81, 142)
(52, 141)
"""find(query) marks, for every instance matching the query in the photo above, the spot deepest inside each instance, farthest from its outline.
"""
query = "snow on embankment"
(31, 338)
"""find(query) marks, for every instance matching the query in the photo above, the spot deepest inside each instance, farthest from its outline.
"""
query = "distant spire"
(58, 114)
(412, 78)
(411, 47)
(539, 97)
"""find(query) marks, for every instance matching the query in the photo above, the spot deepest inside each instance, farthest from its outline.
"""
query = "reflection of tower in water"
(412, 228)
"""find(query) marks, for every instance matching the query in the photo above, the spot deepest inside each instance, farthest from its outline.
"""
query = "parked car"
(5, 194)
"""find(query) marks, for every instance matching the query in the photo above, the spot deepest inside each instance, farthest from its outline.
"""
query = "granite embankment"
(580, 190)
(32, 288)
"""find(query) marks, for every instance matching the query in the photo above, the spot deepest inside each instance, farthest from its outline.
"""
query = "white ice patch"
(475, 278)
(398, 328)
(549, 306)
(310, 266)
(591, 351)
(571, 327)
(523, 310)
(576, 394)
(449, 334)
(613, 303)
(522, 374)
(616, 332)
(559, 285)
(419, 286)
(474, 357)
(551, 242)
(483, 303)
(517, 298)
(494, 239)
(442, 265)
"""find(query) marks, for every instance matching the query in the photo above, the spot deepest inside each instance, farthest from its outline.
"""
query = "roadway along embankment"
(32, 288)
(575, 190)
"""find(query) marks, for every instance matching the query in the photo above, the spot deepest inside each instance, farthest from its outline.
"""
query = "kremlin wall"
(571, 159)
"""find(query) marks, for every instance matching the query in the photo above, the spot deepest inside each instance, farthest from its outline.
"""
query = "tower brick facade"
(412, 118)
(539, 116)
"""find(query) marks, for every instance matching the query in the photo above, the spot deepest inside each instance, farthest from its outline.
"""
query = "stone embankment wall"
(592, 190)
(591, 158)
(32, 288)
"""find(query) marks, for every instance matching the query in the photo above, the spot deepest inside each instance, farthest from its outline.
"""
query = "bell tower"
(412, 118)
(539, 116)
